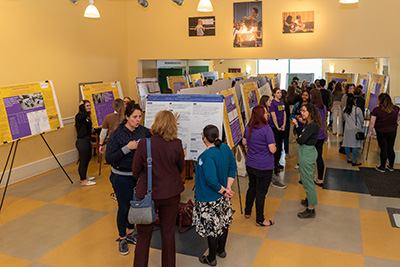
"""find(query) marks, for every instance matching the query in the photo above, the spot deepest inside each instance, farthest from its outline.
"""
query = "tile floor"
(46, 221)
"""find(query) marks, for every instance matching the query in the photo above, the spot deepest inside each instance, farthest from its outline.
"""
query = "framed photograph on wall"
(247, 24)
(298, 22)
(202, 26)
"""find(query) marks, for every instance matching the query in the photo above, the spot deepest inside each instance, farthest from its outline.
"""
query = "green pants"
(307, 157)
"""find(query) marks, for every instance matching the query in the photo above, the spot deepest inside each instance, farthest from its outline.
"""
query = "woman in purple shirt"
(278, 124)
(316, 100)
(260, 142)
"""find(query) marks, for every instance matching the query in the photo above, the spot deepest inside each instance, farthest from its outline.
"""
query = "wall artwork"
(247, 24)
(298, 22)
(202, 26)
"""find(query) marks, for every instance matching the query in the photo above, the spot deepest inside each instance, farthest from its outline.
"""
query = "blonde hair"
(165, 125)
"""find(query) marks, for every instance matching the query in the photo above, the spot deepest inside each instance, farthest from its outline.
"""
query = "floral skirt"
(212, 218)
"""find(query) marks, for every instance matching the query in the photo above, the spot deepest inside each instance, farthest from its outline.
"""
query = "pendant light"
(348, 1)
(91, 11)
(205, 6)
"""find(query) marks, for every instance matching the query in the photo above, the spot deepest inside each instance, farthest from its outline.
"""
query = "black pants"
(320, 161)
(259, 181)
(278, 135)
(386, 144)
(85, 153)
(216, 245)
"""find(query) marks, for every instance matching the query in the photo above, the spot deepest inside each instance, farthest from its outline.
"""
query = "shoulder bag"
(142, 211)
(359, 135)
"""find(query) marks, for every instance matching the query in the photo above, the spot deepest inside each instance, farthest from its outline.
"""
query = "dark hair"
(82, 108)
(167, 91)
(263, 101)
(314, 114)
(255, 9)
(291, 94)
(385, 102)
(130, 108)
(348, 87)
(209, 82)
(338, 89)
(118, 106)
(284, 95)
(211, 133)
(358, 90)
(330, 85)
(257, 119)
(322, 82)
(295, 78)
(289, 19)
(349, 104)
(275, 90)
(316, 98)
(301, 101)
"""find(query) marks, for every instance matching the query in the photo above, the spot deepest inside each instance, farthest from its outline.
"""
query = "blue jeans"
(123, 188)
(349, 150)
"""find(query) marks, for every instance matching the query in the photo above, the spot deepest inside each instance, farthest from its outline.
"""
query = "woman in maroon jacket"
(168, 161)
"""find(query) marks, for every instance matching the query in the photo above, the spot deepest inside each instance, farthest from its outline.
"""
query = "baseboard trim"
(27, 171)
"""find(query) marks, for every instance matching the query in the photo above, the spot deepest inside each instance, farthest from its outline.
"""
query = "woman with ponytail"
(212, 213)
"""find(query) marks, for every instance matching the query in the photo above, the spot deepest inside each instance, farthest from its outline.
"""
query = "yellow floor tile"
(94, 246)
(279, 253)
(15, 207)
(379, 238)
(241, 225)
(95, 197)
(12, 261)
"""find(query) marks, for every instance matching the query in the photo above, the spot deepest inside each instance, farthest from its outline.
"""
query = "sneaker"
(277, 171)
(222, 254)
(389, 168)
(132, 237)
(88, 183)
(304, 202)
(113, 196)
(279, 166)
(91, 178)
(380, 169)
(123, 247)
(307, 214)
(204, 259)
(297, 166)
(356, 163)
(278, 184)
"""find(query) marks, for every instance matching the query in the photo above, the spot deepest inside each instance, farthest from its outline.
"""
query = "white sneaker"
(91, 178)
(89, 183)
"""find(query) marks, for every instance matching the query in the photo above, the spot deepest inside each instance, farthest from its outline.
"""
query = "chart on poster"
(101, 96)
(196, 112)
(28, 109)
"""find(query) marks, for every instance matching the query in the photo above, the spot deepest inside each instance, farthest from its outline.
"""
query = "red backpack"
(185, 216)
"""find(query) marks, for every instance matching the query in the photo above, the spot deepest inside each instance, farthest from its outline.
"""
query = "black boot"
(307, 214)
(304, 202)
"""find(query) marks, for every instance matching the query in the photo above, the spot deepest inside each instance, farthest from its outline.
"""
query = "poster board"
(28, 109)
(196, 80)
(219, 86)
(196, 112)
(240, 76)
(101, 96)
(362, 79)
(204, 90)
(377, 84)
(339, 77)
(250, 97)
(144, 87)
(176, 83)
(233, 123)
(309, 77)
(213, 75)
(275, 79)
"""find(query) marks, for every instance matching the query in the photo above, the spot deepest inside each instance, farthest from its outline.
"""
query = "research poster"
(176, 83)
(196, 80)
(146, 86)
(196, 112)
(377, 84)
(275, 79)
(213, 75)
(309, 77)
(28, 109)
(240, 76)
(233, 123)
(101, 96)
(339, 77)
(250, 97)
(362, 79)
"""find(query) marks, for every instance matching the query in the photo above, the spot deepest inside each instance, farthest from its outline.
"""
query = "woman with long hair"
(111, 121)
(304, 85)
(296, 111)
(316, 100)
(307, 155)
(212, 213)
(83, 126)
(292, 97)
(278, 124)
(354, 122)
(121, 148)
(337, 112)
(167, 164)
(385, 118)
(265, 101)
(260, 141)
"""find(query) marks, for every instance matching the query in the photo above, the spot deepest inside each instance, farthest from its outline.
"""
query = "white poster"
(196, 112)
(146, 86)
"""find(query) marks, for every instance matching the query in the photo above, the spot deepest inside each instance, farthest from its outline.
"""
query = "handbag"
(142, 211)
(185, 216)
(359, 135)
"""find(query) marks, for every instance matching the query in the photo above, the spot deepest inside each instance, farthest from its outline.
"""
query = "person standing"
(168, 162)
(121, 148)
(259, 138)
(307, 156)
(111, 122)
(385, 118)
(212, 213)
(337, 112)
(278, 124)
(83, 126)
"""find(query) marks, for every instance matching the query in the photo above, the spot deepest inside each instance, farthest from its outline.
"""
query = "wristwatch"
(224, 192)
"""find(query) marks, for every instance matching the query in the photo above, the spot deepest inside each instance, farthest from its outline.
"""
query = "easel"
(238, 146)
(16, 142)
